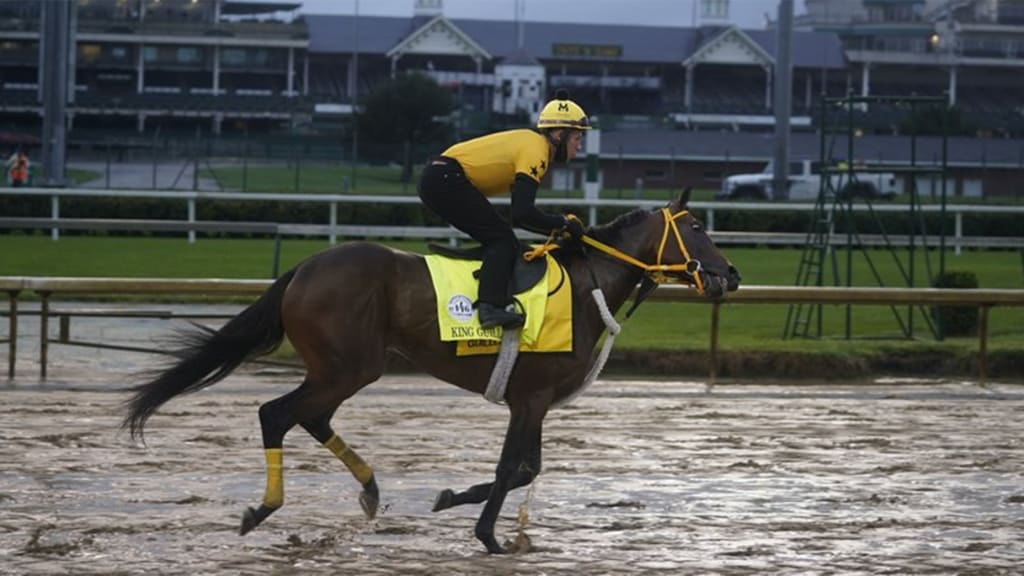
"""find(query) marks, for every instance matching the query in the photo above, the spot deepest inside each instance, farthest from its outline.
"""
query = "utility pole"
(783, 99)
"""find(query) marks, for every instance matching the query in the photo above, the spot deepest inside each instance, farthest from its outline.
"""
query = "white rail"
(332, 230)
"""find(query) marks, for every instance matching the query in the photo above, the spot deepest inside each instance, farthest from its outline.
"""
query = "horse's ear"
(684, 198)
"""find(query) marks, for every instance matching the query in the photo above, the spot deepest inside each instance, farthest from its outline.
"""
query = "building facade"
(235, 65)
(970, 51)
(170, 63)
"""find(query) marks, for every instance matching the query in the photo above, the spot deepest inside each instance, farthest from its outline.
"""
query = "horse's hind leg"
(320, 428)
(277, 417)
(276, 420)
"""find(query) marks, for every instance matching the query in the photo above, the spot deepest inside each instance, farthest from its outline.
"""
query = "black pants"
(445, 189)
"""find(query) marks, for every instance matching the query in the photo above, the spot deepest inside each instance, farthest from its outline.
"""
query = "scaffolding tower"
(833, 216)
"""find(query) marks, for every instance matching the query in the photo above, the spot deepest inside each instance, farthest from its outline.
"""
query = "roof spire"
(713, 13)
(429, 8)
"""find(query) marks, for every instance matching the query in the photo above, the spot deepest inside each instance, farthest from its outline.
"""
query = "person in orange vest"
(17, 168)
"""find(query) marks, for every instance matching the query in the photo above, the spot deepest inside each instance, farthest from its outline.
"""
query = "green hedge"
(415, 215)
(956, 320)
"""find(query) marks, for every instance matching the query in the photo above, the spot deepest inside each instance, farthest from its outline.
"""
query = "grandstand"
(233, 66)
(972, 51)
(139, 60)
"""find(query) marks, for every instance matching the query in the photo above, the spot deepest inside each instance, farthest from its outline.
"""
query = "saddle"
(525, 273)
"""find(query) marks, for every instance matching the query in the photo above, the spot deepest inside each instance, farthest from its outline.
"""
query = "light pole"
(783, 99)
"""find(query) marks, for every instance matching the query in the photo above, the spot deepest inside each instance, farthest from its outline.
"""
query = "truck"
(805, 182)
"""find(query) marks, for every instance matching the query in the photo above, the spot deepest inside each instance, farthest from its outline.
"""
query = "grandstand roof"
(332, 34)
(240, 7)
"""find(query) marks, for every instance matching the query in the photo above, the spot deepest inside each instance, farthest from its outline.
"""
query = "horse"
(345, 308)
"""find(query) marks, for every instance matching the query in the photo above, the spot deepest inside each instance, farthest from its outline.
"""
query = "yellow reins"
(657, 270)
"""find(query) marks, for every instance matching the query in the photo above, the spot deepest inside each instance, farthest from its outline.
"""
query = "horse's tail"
(206, 356)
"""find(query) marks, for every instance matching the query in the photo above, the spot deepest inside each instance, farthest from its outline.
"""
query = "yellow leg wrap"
(273, 497)
(360, 469)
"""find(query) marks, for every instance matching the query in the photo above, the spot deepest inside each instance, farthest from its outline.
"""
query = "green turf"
(77, 176)
(309, 178)
(658, 325)
(384, 180)
(320, 178)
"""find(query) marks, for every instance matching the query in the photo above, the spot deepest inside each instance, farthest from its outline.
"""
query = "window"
(118, 52)
(235, 56)
(654, 174)
(187, 55)
(150, 54)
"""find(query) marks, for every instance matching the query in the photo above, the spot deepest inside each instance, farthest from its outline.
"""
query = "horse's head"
(687, 253)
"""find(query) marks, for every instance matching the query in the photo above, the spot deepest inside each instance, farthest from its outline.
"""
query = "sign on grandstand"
(587, 50)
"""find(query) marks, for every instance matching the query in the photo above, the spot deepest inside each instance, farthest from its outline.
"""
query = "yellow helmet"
(563, 113)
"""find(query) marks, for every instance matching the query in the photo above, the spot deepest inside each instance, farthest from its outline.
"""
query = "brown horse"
(345, 308)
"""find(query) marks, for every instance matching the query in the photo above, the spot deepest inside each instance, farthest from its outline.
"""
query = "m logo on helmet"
(562, 113)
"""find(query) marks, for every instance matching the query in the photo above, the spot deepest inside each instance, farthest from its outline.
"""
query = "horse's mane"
(610, 233)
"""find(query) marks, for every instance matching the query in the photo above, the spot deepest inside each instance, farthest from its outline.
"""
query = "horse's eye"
(696, 226)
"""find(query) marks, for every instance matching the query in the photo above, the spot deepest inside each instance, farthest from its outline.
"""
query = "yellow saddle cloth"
(548, 307)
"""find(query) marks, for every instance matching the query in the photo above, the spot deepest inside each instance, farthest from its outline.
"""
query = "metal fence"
(45, 288)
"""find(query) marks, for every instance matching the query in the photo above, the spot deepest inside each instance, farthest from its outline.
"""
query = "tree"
(402, 114)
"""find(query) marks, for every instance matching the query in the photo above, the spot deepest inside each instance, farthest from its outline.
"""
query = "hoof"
(490, 543)
(369, 503)
(248, 521)
(443, 500)
(252, 518)
(493, 547)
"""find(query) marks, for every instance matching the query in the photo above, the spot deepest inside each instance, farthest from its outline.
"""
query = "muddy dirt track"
(639, 478)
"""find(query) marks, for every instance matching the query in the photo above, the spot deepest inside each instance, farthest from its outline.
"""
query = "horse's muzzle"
(732, 280)
(716, 286)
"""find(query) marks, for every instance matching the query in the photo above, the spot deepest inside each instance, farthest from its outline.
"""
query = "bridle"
(658, 273)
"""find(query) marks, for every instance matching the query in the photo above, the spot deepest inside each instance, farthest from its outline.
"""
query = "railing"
(332, 229)
(45, 288)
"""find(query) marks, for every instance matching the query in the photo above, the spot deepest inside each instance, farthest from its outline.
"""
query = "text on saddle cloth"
(456, 290)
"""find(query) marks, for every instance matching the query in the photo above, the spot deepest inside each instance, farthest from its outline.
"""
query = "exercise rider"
(456, 184)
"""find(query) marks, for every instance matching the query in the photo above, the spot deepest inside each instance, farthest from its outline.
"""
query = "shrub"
(956, 320)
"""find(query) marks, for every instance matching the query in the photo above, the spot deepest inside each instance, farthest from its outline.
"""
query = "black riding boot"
(495, 272)
(491, 315)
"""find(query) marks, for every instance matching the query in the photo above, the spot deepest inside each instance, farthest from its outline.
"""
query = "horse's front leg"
(529, 467)
(524, 432)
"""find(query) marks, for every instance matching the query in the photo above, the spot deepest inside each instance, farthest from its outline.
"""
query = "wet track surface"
(639, 478)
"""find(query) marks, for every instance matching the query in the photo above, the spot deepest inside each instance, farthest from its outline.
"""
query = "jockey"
(456, 184)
